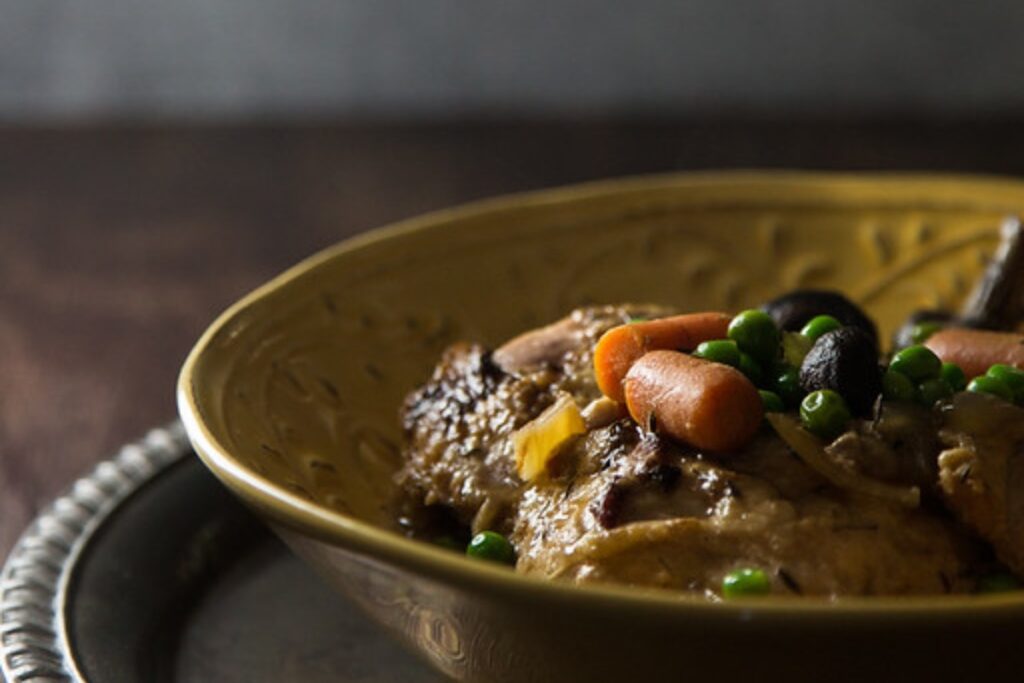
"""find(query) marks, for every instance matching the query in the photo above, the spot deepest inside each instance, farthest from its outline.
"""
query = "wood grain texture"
(118, 245)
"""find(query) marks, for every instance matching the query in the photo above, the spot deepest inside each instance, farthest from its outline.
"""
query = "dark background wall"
(296, 59)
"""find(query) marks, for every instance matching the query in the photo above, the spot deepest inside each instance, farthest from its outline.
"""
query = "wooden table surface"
(118, 245)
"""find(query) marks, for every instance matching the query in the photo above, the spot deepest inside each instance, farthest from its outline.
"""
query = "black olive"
(792, 311)
(845, 361)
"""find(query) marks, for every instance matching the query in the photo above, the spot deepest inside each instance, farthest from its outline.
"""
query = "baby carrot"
(977, 350)
(622, 346)
(700, 403)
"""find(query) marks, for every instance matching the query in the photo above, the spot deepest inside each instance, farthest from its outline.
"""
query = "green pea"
(920, 332)
(897, 387)
(991, 385)
(787, 385)
(795, 347)
(997, 582)
(824, 413)
(749, 367)
(491, 546)
(756, 333)
(952, 373)
(720, 351)
(932, 391)
(771, 402)
(819, 325)
(1011, 377)
(916, 362)
(745, 582)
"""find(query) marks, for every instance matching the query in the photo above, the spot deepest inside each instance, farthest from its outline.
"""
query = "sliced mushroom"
(997, 303)
(544, 345)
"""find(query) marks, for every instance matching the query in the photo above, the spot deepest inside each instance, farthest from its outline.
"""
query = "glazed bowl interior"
(292, 396)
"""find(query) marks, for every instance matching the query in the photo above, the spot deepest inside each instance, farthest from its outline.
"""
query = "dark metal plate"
(148, 570)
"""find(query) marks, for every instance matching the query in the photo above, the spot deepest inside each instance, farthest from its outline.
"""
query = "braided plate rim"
(34, 645)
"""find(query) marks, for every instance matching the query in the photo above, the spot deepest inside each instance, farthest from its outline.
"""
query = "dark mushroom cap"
(793, 310)
(845, 361)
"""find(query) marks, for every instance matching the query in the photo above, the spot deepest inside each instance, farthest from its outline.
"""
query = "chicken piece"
(981, 472)
(458, 426)
(899, 445)
(661, 516)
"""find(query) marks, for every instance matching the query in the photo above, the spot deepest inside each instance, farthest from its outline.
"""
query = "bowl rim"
(309, 519)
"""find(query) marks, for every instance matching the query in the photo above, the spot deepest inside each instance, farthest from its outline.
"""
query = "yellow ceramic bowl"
(291, 398)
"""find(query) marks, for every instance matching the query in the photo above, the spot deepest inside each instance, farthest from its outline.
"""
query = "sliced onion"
(811, 450)
(537, 442)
